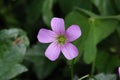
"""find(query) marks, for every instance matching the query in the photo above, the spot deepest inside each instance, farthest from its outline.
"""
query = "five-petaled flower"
(60, 39)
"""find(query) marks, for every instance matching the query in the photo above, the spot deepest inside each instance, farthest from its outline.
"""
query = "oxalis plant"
(60, 40)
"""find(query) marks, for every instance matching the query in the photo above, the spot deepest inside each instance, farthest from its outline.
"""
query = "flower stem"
(93, 68)
(84, 77)
(71, 70)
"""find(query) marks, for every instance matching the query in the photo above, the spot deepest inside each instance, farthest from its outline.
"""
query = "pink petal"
(46, 36)
(69, 51)
(57, 25)
(52, 51)
(73, 32)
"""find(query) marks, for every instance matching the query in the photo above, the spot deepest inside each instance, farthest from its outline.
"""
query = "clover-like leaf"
(13, 44)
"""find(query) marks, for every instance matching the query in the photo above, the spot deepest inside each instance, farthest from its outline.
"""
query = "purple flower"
(60, 39)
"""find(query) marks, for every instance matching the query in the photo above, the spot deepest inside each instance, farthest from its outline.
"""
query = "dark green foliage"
(12, 51)
(20, 21)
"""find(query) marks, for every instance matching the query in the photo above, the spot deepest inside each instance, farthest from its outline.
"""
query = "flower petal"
(69, 51)
(46, 36)
(73, 32)
(57, 25)
(52, 51)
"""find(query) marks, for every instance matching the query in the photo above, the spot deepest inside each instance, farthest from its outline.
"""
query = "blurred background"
(22, 56)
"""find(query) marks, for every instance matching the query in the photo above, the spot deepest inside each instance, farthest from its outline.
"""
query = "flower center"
(61, 39)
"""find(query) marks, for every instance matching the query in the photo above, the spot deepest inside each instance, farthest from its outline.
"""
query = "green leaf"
(12, 50)
(14, 71)
(94, 30)
(90, 49)
(47, 11)
(41, 65)
(105, 7)
(73, 4)
(102, 62)
(100, 29)
(103, 76)
(81, 20)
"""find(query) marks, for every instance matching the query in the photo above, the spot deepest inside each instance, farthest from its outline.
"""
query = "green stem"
(96, 16)
(93, 68)
(84, 77)
(72, 71)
